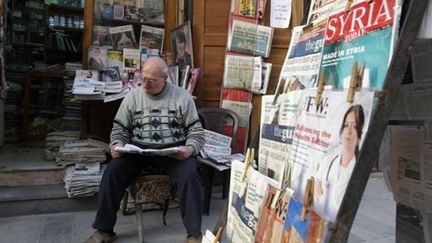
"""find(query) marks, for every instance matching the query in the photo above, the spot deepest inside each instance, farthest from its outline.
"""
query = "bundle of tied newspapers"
(82, 180)
(81, 151)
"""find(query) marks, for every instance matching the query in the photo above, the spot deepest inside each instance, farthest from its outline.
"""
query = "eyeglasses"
(149, 81)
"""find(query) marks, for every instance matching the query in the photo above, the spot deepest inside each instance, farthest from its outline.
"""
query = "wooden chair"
(214, 119)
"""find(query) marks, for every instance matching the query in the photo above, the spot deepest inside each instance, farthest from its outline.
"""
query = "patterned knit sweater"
(158, 121)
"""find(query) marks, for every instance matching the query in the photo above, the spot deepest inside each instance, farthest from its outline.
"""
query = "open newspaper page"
(277, 128)
(245, 203)
(130, 148)
(367, 39)
(326, 142)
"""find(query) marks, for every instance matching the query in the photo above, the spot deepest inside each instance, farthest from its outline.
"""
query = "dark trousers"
(119, 173)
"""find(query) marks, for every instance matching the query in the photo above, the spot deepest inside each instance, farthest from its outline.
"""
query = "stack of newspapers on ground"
(82, 180)
(81, 151)
(217, 148)
(55, 139)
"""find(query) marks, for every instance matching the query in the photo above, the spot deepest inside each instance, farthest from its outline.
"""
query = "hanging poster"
(326, 143)
(364, 34)
(278, 122)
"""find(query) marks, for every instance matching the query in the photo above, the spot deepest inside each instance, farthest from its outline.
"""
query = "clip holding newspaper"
(132, 149)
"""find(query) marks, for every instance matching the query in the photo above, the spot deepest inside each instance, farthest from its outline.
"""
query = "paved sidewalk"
(375, 222)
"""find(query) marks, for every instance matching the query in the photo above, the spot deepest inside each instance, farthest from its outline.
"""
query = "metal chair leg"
(139, 218)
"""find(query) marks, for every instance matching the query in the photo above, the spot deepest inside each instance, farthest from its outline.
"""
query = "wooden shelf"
(128, 21)
(59, 7)
(59, 28)
(27, 44)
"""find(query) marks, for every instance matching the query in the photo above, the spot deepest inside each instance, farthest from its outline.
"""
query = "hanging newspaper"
(364, 34)
(410, 156)
(241, 71)
(245, 203)
(301, 65)
(326, 143)
(320, 10)
(277, 128)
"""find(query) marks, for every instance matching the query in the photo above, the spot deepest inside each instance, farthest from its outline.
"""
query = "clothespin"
(320, 89)
(308, 198)
(250, 153)
(218, 235)
(353, 83)
(348, 5)
(360, 75)
(279, 88)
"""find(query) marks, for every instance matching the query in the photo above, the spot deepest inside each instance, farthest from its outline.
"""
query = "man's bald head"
(154, 75)
(156, 63)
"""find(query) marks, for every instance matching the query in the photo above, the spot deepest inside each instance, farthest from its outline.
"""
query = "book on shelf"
(184, 76)
(129, 148)
(248, 37)
(131, 59)
(122, 37)
(115, 59)
(107, 10)
(111, 74)
(101, 36)
(195, 72)
(152, 37)
(147, 53)
(81, 76)
(246, 8)
(97, 57)
(173, 74)
(118, 10)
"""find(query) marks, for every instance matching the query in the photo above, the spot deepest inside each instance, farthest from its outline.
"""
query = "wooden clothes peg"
(250, 153)
(279, 88)
(356, 81)
(360, 75)
(353, 84)
(218, 235)
(307, 198)
(348, 5)
(320, 89)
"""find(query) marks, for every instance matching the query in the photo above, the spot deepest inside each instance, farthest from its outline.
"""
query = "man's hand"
(183, 153)
(114, 153)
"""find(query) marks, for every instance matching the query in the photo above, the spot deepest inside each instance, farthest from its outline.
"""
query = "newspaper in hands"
(129, 148)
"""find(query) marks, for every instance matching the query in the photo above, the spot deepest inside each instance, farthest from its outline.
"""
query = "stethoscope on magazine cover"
(326, 183)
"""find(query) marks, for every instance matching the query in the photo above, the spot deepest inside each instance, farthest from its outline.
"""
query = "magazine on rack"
(132, 149)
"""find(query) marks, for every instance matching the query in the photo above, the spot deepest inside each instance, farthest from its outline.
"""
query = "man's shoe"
(193, 239)
(101, 237)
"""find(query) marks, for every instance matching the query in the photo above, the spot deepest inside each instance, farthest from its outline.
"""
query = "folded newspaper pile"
(217, 148)
(81, 151)
(82, 180)
(55, 139)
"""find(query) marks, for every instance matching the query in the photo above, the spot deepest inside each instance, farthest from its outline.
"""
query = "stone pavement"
(375, 222)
